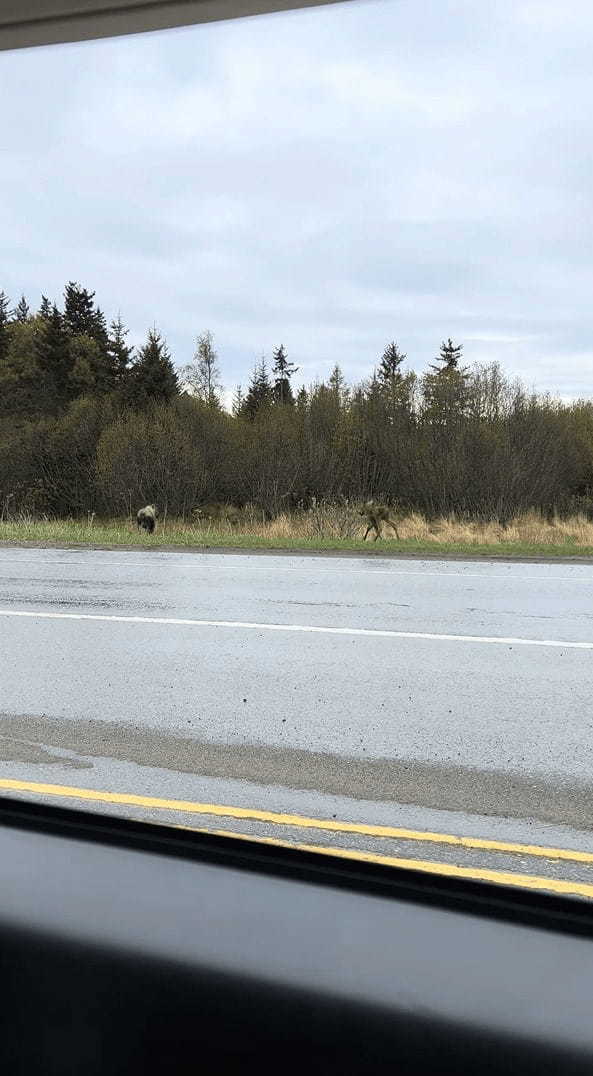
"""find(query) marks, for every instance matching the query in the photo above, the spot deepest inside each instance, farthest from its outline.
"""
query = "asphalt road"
(385, 698)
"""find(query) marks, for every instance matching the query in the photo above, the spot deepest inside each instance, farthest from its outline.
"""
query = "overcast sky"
(327, 179)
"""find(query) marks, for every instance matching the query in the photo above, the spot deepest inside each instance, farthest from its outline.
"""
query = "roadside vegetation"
(327, 527)
(91, 430)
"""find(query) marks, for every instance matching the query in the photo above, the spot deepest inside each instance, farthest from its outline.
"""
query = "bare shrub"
(327, 520)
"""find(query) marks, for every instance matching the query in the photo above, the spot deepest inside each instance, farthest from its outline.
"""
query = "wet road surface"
(451, 697)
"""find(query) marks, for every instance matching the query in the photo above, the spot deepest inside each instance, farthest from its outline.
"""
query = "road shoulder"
(283, 551)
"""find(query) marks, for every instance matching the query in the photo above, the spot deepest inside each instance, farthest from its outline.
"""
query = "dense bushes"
(498, 453)
(86, 426)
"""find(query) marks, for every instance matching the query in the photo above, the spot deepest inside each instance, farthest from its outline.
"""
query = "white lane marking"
(384, 633)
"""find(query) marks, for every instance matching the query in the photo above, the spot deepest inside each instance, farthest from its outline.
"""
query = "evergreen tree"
(55, 362)
(99, 332)
(203, 376)
(238, 402)
(96, 369)
(449, 357)
(93, 370)
(4, 317)
(153, 377)
(337, 384)
(81, 318)
(79, 310)
(119, 352)
(22, 312)
(259, 391)
(445, 390)
(389, 367)
(20, 377)
(283, 371)
(45, 308)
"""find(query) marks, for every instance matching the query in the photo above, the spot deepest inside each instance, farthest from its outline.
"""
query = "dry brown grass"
(324, 527)
(337, 522)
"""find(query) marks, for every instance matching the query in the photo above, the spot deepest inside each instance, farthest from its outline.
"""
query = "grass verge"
(176, 535)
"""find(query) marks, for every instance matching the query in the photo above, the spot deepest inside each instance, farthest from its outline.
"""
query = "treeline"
(87, 424)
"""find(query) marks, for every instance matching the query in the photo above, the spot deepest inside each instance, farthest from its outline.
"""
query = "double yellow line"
(328, 825)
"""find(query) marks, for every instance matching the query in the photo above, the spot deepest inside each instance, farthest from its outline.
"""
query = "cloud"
(329, 178)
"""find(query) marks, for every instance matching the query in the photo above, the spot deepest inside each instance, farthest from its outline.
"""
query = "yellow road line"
(426, 866)
(299, 821)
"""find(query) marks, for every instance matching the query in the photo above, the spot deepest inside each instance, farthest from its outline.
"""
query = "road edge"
(282, 551)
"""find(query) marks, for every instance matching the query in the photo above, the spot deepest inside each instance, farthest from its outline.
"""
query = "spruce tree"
(119, 352)
(449, 357)
(389, 366)
(82, 318)
(259, 391)
(153, 377)
(445, 390)
(99, 331)
(22, 312)
(55, 362)
(20, 378)
(238, 404)
(283, 371)
(4, 318)
(337, 384)
(79, 310)
(45, 308)
(89, 341)
(263, 385)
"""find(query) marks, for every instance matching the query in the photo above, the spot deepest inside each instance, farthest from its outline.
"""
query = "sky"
(329, 179)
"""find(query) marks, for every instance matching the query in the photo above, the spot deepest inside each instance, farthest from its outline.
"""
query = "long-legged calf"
(375, 515)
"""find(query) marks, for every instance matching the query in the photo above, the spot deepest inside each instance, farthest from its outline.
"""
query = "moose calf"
(146, 518)
(376, 515)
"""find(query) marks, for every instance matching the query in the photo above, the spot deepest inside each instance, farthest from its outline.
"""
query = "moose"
(376, 515)
(146, 518)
